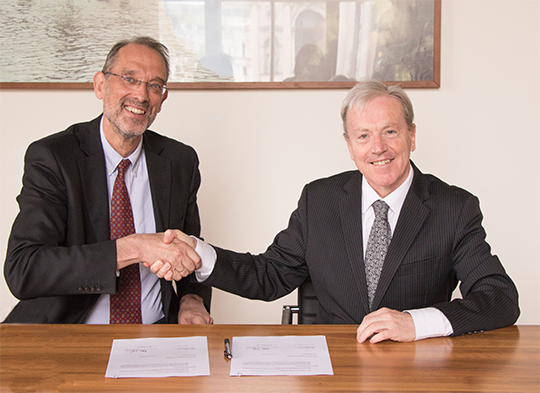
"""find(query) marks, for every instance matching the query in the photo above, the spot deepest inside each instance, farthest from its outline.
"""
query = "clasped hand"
(176, 268)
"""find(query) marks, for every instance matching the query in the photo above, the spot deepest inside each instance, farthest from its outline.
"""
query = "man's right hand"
(170, 271)
(170, 257)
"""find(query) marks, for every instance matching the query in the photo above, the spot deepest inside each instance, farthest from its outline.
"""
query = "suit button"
(99, 288)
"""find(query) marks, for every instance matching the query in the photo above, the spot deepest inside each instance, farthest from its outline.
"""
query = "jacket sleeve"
(272, 274)
(43, 259)
(489, 297)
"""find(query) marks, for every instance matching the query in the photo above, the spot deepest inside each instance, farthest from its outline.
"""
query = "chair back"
(307, 307)
(307, 302)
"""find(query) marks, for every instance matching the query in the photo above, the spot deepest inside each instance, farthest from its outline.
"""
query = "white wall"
(480, 130)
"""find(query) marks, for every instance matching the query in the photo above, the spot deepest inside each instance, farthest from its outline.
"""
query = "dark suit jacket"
(59, 258)
(438, 241)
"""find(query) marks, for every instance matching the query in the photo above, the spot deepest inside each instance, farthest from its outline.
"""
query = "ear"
(99, 85)
(413, 137)
(165, 96)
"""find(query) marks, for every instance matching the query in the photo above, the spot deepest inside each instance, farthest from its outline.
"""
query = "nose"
(141, 90)
(378, 145)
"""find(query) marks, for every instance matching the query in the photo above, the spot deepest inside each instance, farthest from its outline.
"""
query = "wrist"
(191, 241)
(127, 251)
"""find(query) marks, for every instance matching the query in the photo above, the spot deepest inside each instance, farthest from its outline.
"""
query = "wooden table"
(73, 358)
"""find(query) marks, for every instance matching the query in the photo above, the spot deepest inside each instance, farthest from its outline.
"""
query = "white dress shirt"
(428, 322)
(138, 186)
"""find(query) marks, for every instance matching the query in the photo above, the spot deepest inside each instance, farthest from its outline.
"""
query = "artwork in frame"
(226, 44)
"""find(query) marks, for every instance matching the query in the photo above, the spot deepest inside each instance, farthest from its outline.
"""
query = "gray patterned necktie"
(378, 241)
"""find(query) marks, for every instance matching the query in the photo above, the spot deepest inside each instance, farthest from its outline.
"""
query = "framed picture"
(226, 44)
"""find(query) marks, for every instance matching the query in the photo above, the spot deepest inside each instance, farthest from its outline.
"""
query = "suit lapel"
(410, 221)
(93, 178)
(160, 177)
(351, 220)
(94, 182)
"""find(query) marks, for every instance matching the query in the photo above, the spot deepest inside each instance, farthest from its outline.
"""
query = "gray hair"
(365, 91)
(142, 40)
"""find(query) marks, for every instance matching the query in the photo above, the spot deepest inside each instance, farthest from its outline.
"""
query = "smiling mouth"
(383, 162)
(135, 110)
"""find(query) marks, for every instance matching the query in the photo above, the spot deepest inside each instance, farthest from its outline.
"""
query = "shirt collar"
(113, 158)
(394, 200)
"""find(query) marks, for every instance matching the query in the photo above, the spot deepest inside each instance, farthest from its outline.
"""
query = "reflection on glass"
(333, 40)
(223, 40)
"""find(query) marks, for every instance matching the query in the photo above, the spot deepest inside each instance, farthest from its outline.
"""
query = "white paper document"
(280, 355)
(158, 357)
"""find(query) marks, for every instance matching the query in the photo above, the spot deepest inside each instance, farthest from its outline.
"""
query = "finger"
(195, 319)
(188, 260)
(361, 332)
(364, 332)
(154, 267)
(369, 326)
(186, 319)
(165, 269)
(171, 234)
(180, 272)
(169, 276)
(379, 336)
(168, 236)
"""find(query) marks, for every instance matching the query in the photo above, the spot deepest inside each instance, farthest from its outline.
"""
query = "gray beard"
(127, 134)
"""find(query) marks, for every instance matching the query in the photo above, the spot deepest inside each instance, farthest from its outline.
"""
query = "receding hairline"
(126, 68)
(146, 41)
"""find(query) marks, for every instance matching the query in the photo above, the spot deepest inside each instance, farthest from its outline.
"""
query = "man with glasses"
(92, 200)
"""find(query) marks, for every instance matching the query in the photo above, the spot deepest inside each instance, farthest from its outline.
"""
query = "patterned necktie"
(126, 303)
(378, 241)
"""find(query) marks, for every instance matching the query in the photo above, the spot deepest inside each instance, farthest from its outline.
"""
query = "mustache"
(134, 102)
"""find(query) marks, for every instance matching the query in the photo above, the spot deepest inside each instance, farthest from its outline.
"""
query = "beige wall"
(480, 130)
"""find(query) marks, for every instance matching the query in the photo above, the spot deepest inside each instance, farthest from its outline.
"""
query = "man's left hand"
(193, 312)
(386, 324)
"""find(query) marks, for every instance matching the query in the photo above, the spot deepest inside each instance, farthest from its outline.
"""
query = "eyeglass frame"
(136, 82)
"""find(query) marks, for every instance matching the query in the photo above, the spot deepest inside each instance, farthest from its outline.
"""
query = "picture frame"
(229, 44)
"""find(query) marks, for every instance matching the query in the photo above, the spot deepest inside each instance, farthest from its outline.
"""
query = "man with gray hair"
(92, 200)
(385, 245)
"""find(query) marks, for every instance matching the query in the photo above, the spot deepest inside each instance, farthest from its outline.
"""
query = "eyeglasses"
(154, 87)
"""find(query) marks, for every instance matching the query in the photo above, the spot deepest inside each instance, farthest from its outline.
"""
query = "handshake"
(170, 255)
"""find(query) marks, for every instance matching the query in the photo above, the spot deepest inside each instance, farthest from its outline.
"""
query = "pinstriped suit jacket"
(438, 242)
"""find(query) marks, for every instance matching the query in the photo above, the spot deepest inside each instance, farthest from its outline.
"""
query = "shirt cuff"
(430, 322)
(208, 259)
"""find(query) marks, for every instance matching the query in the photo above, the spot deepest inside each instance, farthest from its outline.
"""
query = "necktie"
(378, 241)
(125, 306)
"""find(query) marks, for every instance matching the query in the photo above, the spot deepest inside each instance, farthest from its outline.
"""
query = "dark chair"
(306, 308)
